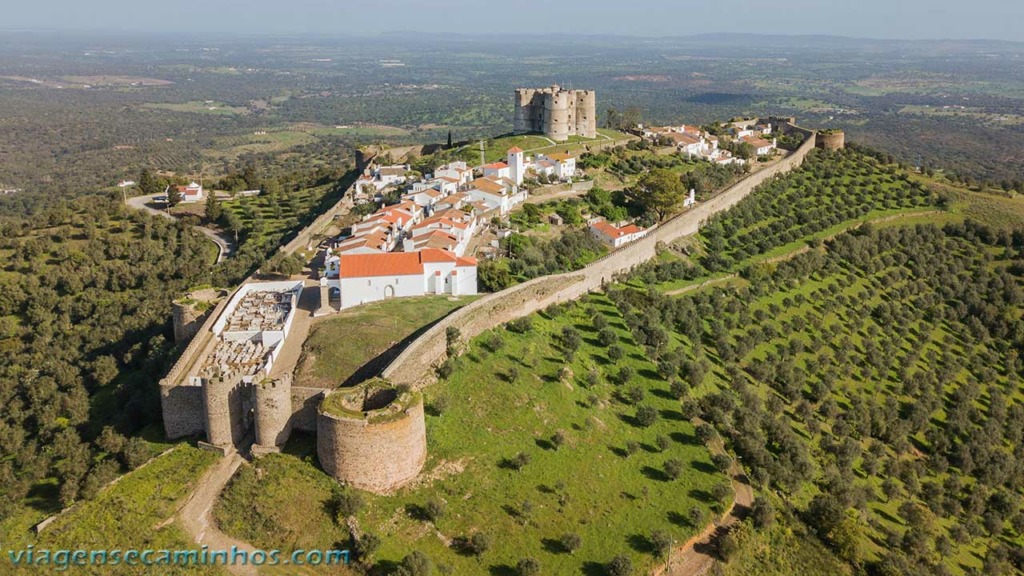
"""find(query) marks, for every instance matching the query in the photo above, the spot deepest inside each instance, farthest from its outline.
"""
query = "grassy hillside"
(134, 513)
(375, 331)
(508, 433)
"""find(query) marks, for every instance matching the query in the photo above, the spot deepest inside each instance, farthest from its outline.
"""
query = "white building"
(564, 164)
(615, 236)
(497, 170)
(691, 199)
(188, 194)
(361, 278)
(458, 171)
(380, 177)
(501, 195)
(761, 146)
(453, 224)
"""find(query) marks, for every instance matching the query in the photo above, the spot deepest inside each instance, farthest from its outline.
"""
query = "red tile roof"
(612, 232)
(515, 150)
(395, 263)
(496, 166)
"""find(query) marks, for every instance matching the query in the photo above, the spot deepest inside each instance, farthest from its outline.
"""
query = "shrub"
(662, 442)
(696, 516)
(434, 509)
(367, 546)
(727, 546)
(528, 567)
(346, 504)
(520, 460)
(662, 542)
(646, 416)
(721, 461)
(479, 543)
(721, 492)
(619, 566)
(607, 336)
(570, 542)
(674, 468)
(634, 394)
(558, 439)
(445, 369)
(520, 325)
(416, 563)
(615, 353)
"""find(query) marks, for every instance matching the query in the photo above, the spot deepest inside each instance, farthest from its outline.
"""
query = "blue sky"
(911, 19)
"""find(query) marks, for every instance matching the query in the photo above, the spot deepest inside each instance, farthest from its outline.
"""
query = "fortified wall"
(414, 366)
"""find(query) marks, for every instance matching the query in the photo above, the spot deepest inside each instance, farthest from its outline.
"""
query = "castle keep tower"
(555, 112)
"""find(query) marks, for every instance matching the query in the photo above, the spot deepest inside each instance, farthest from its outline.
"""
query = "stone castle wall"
(273, 412)
(414, 365)
(304, 406)
(376, 457)
(183, 410)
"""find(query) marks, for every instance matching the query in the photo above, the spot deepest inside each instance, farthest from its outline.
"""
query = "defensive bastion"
(373, 436)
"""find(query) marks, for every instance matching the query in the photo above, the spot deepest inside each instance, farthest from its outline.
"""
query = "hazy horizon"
(864, 19)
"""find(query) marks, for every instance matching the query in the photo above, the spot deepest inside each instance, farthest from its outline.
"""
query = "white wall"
(356, 291)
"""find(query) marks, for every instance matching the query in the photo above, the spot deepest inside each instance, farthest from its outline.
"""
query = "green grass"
(590, 485)
(133, 514)
(367, 331)
(784, 548)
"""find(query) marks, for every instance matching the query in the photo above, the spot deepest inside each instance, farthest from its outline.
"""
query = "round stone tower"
(586, 113)
(832, 140)
(216, 394)
(186, 322)
(372, 437)
(273, 414)
(558, 119)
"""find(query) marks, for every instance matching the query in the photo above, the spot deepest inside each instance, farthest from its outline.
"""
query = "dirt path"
(196, 515)
(694, 557)
(702, 285)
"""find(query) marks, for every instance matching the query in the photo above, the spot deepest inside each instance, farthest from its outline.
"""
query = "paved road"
(225, 243)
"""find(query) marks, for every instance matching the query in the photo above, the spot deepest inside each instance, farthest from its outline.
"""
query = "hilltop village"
(422, 235)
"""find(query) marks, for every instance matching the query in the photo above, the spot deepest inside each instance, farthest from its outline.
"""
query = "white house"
(452, 223)
(458, 171)
(615, 236)
(360, 278)
(761, 146)
(691, 199)
(501, 195)
(189, 194)
(564, 164)
(380, 177)
(497, 170)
